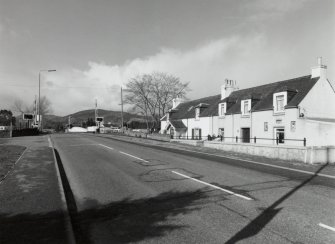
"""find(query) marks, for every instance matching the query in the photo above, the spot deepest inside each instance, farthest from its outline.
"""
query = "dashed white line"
(327, 227)
(50, 143)
(214, 186)
(106, 146)
(134, 156)
(79, 145)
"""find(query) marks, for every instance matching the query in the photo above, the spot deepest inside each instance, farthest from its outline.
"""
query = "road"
(121, 192)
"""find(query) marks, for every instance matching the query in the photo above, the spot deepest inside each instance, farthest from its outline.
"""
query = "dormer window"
(245, 107)
(279, 102)
(222, 109)
(197, 113)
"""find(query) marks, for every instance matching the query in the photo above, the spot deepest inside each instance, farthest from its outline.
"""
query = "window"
(245, 107)
(279, 102)
(222, 109)
(197, 113)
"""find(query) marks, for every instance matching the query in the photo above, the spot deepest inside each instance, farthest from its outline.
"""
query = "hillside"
(110, 117)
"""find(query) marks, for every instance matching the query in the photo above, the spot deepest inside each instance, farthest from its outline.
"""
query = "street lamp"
(39, 96)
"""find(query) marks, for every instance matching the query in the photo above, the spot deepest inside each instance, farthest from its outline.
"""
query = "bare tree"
(152, 94)
(45, 106)
(20, 106)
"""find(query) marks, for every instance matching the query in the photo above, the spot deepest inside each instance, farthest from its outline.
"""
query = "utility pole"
(69, 122)
(96, 111)
(39, 97)
(121, 110)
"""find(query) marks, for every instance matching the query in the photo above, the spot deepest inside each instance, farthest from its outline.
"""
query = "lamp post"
(39, 96)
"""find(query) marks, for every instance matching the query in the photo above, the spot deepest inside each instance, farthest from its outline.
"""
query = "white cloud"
(205, 67)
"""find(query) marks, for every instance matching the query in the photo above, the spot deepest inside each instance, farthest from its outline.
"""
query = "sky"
(97, 46)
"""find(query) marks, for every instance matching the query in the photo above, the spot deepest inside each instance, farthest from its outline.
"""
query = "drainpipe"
(251, 134)
(187, 130)
(212, 124)
(232, 116)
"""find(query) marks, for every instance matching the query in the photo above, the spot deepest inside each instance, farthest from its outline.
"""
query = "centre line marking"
(79, 145)
(50, 143)
(327, 227)
(214, 186)
(106, 146)
(134, 157)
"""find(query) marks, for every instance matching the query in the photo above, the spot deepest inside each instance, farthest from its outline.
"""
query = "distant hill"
(110, 117)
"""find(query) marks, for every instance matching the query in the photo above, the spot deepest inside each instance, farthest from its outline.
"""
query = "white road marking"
(134, 157)
(79, 145)
(326, 227)
(269, 165)
(105, 146)
(50, 143)
(214, 186)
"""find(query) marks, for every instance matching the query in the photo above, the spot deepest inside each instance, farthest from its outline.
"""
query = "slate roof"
(178, 124)
(262, 97)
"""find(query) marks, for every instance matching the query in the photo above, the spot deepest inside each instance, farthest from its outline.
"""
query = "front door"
(280, 135)
(245, 135)
(196, 134)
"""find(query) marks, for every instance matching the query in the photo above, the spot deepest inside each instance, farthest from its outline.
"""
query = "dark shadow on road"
(32, 228)
(256, 225)
(133, 220)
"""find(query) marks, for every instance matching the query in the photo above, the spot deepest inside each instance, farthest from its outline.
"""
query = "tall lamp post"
(39, 96)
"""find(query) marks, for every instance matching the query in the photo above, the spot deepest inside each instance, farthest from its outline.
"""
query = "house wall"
(320, 100)
(163, 126)
(320, 133)
(203, 123)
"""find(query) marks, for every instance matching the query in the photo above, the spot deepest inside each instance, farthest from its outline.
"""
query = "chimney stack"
(228, 87)
(320, 70)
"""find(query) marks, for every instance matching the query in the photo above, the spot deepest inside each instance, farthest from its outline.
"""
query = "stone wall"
(311, 155)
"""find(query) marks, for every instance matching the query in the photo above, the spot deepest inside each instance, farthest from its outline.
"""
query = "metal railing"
(237, 139)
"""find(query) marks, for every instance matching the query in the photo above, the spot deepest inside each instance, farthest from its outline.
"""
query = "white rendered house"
(297, 112)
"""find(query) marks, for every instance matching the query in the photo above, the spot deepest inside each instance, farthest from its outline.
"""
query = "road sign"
(100, 119)
(28, 116)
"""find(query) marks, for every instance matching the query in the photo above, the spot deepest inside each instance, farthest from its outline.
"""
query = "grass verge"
(9, 154)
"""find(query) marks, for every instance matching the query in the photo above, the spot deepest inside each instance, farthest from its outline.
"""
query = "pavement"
(32, 207)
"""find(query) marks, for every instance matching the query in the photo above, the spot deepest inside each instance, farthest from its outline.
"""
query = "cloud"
(205, 65)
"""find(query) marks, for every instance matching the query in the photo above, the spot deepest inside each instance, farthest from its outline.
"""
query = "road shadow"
(33, 228)
(257, 224)
(135, 220)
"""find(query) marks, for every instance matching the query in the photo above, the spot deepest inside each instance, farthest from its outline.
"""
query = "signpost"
(99, 120)
(27, 116)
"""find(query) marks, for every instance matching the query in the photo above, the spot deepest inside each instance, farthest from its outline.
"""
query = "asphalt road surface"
(121, 192)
